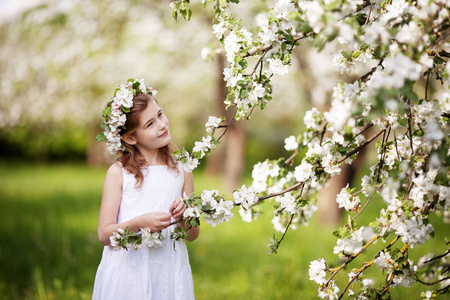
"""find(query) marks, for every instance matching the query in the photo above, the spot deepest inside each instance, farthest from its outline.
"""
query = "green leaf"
(206, 207)
(188, 15)
(194, 222)
(100, 137)
(302, 203)
(356, 54)
(125, 109)
(107, 111)
(243, 93)
(175, 14)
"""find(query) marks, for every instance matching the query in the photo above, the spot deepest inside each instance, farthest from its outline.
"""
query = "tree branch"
(352, 257)
(438, 257)
(434, 282)
(367, 202)
(358, 272)
(298, 184)
(260, 60)
(426, 85)
(363, 144)
(228, 124)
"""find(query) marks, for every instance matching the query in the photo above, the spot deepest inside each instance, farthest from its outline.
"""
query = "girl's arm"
(109, 209)
(188, 188)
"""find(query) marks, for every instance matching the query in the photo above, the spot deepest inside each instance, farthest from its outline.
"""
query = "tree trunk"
(229, 157)
(97, 154)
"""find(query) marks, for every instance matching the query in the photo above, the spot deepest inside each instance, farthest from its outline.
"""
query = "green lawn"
(49, 247)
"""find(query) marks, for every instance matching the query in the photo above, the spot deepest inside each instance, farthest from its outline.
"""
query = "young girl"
(142, 190)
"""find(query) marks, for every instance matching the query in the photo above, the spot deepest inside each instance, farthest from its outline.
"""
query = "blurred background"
(60, 61)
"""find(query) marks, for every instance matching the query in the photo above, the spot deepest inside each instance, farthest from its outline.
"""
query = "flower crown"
(116, 110)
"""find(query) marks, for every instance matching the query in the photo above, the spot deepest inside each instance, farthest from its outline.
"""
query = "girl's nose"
(161, 125)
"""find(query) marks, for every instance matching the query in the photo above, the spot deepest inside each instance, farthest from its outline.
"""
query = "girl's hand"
(177, 209)
(156, 221)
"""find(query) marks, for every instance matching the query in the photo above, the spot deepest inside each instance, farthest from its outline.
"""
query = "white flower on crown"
(115, 113)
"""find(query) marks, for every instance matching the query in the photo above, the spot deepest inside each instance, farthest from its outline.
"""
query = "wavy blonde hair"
(129, 158)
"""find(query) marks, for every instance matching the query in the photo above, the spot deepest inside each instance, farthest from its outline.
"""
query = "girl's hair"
(129, 158)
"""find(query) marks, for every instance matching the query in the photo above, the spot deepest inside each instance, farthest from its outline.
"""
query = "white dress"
(147, 273)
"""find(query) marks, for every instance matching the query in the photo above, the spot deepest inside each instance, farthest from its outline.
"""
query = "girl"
(142, 190)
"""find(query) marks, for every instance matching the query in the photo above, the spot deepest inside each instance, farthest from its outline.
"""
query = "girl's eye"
(160, 114)
(149, 124)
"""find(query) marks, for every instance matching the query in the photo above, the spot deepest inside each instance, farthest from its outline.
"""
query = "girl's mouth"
(164, 133)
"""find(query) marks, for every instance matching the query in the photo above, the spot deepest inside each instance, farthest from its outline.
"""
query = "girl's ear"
(129, 139)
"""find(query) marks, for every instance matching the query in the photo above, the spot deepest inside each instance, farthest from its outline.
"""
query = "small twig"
(409, 127)
(359, 272)
(365, 128)
(228, 124)
(287, 228)
(383, 153)
(290, 159)
(368, 16)
(390, 281)
(260, 60)
(396, 148)
(364, 77)
(385, 289)
(363, 144)
(426, 85)
(438, 257)
(367, 202)
(351, 258)
(176, 222)
(298, 184)
(438, 53)
(434, 282)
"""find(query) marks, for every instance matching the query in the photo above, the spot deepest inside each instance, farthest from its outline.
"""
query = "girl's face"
(153, 130)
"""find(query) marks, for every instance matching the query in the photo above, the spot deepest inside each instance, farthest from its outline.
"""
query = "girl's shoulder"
(113, 176)
(115, 170)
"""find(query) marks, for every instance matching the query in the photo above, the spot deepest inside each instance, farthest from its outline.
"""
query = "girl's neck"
(152, 159)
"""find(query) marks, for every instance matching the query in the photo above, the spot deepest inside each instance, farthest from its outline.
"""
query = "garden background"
(60, 62)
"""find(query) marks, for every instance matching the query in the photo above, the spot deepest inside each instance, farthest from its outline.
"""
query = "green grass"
(49, 247)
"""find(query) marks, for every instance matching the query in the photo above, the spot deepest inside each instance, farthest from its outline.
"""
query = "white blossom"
(367, 282)
(290, 143)
(384, 261)
(310, 119)
(329, 292)
(313, 12)
(192, 212)
(350, 244)
(245, 196)
(277, 67)
(190, 164)
(409, 33)
(303, 172)
(346, 200)
(261, 172)
(317, 271)
(203, 146)
(213, 122)
(152, 239)
(412, 231)
(406, 280)
(283, 8)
